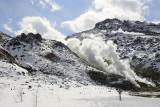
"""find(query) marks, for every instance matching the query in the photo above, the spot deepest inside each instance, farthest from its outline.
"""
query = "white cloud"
(53, 5)
(102, 9)
(5, 26)
(42, 4)
(156, 21)
(37, 25)
(47, 4)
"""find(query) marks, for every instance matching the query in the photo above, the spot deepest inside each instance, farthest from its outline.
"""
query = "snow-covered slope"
(138, 42)
(4, 36)
(10, 71)
(51, 59)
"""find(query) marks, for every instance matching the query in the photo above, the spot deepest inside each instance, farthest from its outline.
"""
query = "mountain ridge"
(55, 60)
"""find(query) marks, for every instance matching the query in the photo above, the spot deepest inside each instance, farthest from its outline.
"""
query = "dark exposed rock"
(157, 55)
(130, 26)
(52, 57)
(6, 56)
(119, 82)
(30, 37)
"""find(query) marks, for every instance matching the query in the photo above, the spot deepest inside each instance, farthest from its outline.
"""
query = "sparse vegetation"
(19, 96)
(36, 97)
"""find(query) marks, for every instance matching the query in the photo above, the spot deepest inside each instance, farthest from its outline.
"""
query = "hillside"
(137, 42)
(48, 60)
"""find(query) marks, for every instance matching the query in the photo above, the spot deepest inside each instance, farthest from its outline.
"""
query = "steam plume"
(104, 57)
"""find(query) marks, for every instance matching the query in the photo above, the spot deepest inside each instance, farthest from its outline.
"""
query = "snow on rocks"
(41, 56)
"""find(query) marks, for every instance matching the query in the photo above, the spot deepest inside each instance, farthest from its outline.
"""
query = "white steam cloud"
(104, 57)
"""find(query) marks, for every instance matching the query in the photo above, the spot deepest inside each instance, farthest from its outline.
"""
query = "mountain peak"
(130, 26)
(29, 37)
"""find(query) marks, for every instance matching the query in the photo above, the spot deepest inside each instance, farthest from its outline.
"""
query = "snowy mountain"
(47, 60)
(102, 55)
(138, 42)
(33, 72)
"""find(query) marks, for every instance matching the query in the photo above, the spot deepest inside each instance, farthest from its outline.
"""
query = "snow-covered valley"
(86, 96)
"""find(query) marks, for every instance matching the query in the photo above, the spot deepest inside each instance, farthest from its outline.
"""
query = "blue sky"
(71, 15)
(154, 10)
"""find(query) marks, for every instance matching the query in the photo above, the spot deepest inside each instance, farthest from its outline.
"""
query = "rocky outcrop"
(129, 26)
(30, 37)
(6, 56)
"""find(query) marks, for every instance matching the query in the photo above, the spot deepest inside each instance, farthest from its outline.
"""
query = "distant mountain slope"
(139, 42)
(4, 36)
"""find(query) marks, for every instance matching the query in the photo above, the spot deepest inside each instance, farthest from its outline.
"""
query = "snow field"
(87, 96)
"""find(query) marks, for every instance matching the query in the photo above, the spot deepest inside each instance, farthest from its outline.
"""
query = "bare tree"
(58, 98)
(120, 92)
(20, 94)
(36, 96)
